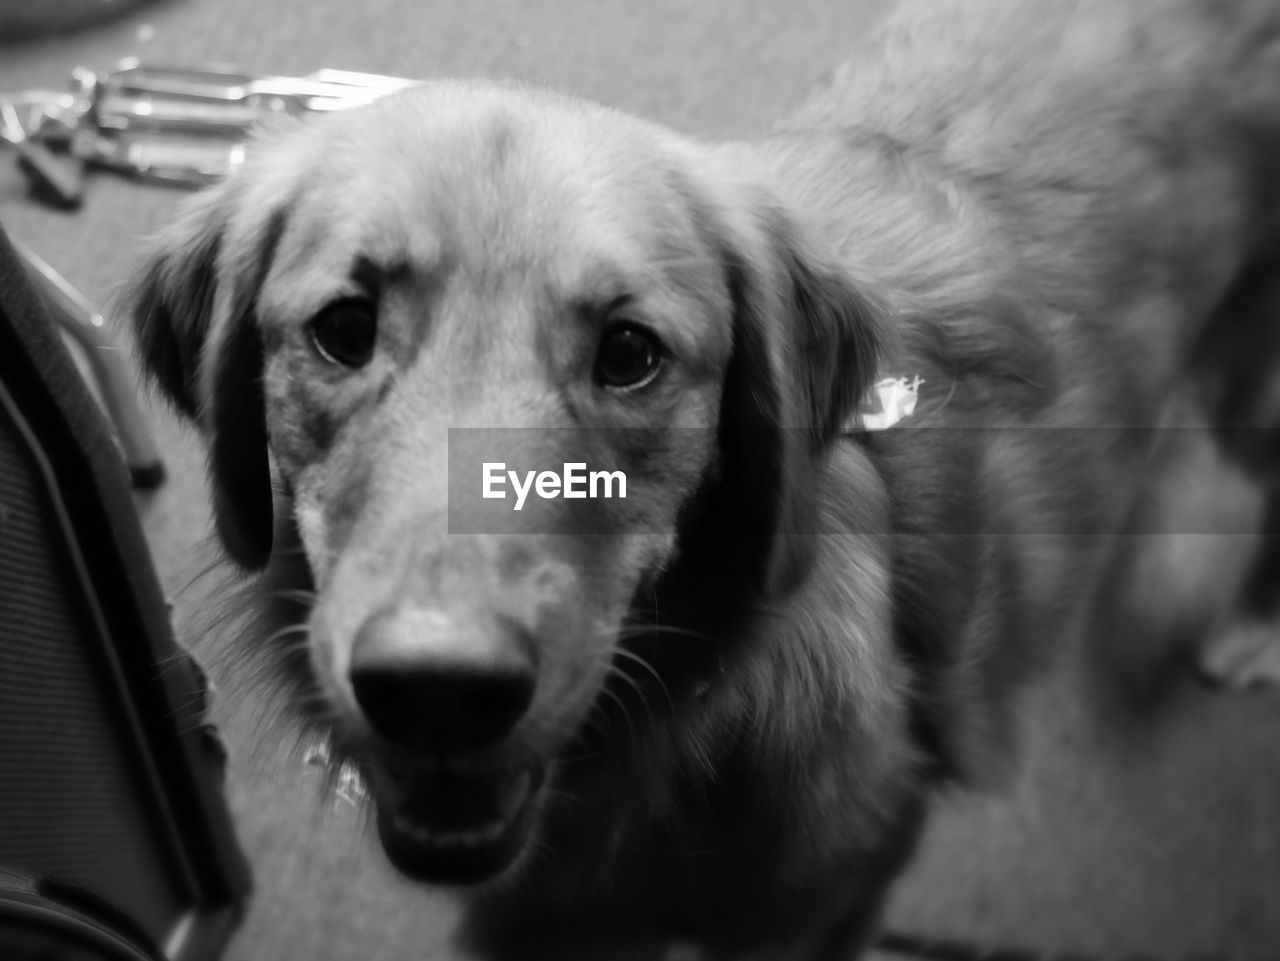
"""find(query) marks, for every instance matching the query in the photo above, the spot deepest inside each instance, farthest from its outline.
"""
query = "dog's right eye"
(628, 357)
(345, 332)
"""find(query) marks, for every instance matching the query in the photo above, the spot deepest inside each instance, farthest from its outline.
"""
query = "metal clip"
(184, 125)
(53, 180)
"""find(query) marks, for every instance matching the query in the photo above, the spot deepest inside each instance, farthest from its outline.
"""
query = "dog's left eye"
(628, 357)
(345, 332)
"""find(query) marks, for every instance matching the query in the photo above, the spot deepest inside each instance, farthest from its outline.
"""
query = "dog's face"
(383, 301)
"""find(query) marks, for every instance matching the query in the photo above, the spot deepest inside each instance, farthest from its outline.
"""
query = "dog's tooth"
(514, 795)
(458, 839)
(412, 829)
(419, 834)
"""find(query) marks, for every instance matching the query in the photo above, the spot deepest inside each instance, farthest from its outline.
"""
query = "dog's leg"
(1245, 649)
(1195, 580)
(1176, 571)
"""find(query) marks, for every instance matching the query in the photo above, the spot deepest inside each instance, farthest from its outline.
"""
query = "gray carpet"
(1164, 841)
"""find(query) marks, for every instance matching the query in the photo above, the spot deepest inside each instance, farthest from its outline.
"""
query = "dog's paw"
(1246, 654)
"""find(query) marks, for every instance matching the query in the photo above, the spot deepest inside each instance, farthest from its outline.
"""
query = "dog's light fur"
(1037, 208)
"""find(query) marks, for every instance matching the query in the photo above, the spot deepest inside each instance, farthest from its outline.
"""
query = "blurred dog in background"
(711, 713)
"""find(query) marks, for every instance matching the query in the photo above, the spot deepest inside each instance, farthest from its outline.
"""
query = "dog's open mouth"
(454, 824)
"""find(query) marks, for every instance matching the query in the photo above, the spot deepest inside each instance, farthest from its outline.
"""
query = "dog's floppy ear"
(807, 341)
(193, 312)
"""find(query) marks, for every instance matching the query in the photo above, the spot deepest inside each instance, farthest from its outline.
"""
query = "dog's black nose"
(427, 683)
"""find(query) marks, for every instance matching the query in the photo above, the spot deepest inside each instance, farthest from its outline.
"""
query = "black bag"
(115, 839)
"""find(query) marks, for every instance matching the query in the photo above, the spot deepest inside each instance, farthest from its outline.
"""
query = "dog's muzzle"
(441, 695)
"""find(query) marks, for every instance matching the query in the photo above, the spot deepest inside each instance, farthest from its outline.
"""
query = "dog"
(710, 714)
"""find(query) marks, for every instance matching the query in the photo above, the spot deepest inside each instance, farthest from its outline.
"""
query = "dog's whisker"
(287, 631)
(652, 671)
(299, 595)
(635, 687)
(622, 708)
(635, 631)
(289, 550)
(214, 566)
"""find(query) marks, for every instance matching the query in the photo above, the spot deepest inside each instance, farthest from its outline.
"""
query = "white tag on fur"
(888, 402)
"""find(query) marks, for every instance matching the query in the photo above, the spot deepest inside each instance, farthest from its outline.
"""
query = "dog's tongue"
(454, 827)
